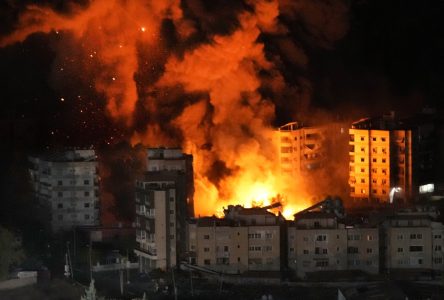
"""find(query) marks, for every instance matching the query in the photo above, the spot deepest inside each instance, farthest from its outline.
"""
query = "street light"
(393, 191)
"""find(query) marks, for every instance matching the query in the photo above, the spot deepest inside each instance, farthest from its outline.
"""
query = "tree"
(11, 252)
(91, 293)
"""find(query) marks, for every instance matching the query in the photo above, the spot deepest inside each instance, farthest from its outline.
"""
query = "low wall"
(17, 282)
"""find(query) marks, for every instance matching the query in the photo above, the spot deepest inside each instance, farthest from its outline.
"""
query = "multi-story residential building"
(414, 241)
(246, 239)
(164, 203)
(68, 183)
(390, 158)
(300, 148)
(318, 241)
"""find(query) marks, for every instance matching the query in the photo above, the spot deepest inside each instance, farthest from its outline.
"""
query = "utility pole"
(174, 285)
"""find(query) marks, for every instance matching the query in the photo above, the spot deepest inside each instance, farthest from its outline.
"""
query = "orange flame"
(232, 117)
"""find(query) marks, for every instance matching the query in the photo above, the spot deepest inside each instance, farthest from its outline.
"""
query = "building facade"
(318, 242)
(390, 159)
(164, 203)
(244, 240)
(300, 148)
(414, 241)
(68, 183)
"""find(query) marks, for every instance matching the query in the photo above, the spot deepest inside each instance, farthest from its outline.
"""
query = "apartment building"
(164, 203)
(300, 148)
(391, 159)
(68, 183)
(414, 241)
(318, 241)
(246, 239)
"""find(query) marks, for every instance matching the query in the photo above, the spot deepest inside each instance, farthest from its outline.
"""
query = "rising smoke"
(209, 76)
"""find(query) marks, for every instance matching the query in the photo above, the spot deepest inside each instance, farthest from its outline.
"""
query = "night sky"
(391, 55)
(344, 59)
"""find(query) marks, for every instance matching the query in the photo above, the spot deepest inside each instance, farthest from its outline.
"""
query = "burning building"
(300, 148)
(68, 182)
(164, 202)
(391, 158)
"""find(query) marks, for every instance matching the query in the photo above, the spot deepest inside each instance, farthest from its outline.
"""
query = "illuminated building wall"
(248, 240)
(390, 158)
(300, 148)
(68, 183)
(163, 205)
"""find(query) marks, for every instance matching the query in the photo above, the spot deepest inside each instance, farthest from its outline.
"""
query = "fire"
(202, 93)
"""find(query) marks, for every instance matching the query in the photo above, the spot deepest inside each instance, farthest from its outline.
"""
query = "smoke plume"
(209, 76)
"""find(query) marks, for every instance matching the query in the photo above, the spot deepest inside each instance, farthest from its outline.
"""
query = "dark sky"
(390, 58)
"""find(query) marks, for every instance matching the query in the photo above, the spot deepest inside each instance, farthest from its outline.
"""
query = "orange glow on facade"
(230, 125)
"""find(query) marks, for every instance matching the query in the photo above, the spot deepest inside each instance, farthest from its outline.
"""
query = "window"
(60, 194)
(322, 263)
(362, 149)
(305, 251)
(207, 262)
(437, 236)
(362, 138)
(86, 194)
(384, 160)
(362, 180)
(400, 250)
(60, 205)
(225, 248)
(321, 237)
(415, 248)
(384, 171)
(373, 139)
(400, 237)
(352, 250)
(317, 250)
(254, 235)
(86, 217)
(415, 236)
(437, 260)
(171, 199)
(374, 170)
(59, 182)
(369, 237)
(268, 235)
(86, 204)
(86, 182)
(374, 160)
(317, 224)
(305, 239)
(171, 224)
(268, 248)
(206, 237)
(362, 159)
(206, 249)
(369, 250)
(171, 211)
(438, 248)
(291, 249)
(171, 236)
(362, 170)
(325, 251)
(352, 137)
(383, 139)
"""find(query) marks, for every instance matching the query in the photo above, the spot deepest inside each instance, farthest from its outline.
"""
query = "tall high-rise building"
(300, 148)
(164, 203)
(391, 158)
(68, 183)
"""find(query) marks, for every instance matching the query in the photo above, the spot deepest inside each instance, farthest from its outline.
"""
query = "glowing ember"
(205, 97)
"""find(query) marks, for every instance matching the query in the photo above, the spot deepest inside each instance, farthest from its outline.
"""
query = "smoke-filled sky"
(210, 76)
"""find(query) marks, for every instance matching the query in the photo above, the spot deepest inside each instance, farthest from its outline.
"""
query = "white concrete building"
(317, 241)
(246, 239)
(164, 202)
(68, 183)
(414, 241)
